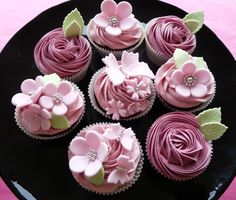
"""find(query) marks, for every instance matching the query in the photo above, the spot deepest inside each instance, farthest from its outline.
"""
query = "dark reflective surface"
(41, 167)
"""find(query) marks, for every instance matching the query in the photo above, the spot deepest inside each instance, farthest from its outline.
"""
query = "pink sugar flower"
(90, 152)
(116, 109)
(191, 81)
(115, 18)
(58, 98)
(37, 118)
(120, 174)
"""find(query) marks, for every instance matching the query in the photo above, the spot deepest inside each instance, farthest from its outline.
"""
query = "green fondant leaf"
(52, 78)
(180, 57)
(213, 130)
(59, 122)
(199, 62)
(194, 21)
(73, 29)
(70, 19)
(98, 178)
(210, 115)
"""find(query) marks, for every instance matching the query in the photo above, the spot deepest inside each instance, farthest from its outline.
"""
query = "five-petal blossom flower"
(116, 108)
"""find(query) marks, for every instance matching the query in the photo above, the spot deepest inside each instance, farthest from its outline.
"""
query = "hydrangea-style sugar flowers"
(48, 106)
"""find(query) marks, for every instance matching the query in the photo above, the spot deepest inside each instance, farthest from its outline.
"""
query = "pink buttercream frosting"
(176, 147)
(115, 149)
(54, 53)
(165, 34)
(168, 87)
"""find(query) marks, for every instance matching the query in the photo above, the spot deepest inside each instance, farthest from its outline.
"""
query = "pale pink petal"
(139, 69)
(188, 67)
(70, 98)
(79, 146)
(203, 75)
(21, 100)
(127, 142)
(125, 162)
(28, 114)
(46, 102)
(59, 109)
(199, 90)
(116, 176)
(28, 86)
(113, 132)
(39, 81)
(45, 114)
(45, 124)
(64, 88)
(101, 20)
(35, 96)
(110, 61)
(116, 116)
(135, 96)
(124, 9)
(50, 89)
(34, 125)
(78, 164)
(109, 7)
(35, 108)
(177, 77)
(128, 58)
(93, 168)
(102, 152)
(93, 139)
(129, 132)
(114, 31)
(182, 90)
(115, 75)
(127, 23)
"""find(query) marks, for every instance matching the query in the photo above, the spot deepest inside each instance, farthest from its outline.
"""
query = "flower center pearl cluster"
(57, 98)
(114, 21)
(190, 80)
(121, 169)
(92, 155)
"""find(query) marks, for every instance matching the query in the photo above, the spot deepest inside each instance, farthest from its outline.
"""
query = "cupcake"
(185, 82)
(65, 51)
(115, 29)
(178, 144)
(164, 34)
(123, 89)
(105, 158)
(48, 107)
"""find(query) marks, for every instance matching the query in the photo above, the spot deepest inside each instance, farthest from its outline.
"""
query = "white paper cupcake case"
(117, 53)
(95, 105)
(171, 178)
(57, 135)
(131, 182)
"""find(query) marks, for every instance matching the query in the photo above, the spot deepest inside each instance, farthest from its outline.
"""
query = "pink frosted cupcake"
(165, 34)
(115, 29)
(185, 82)
(178, 144)
(65, 51)
(105, 158)
(123, 89)
(48, 107)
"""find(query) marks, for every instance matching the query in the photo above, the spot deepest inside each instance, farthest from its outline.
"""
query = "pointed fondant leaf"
(98, 178)
(210, 115)
(74, 15)
(191, 19)
(199, 62)
(213, 130)
(180, 57)
(51, 78)
(59, 122)
(73, 29)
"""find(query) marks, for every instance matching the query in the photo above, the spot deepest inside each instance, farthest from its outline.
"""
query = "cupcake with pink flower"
(123, 89)
(65, 51)
(185, 82)
(179, 144)
(105, 158)
(165, 34)
(115, 29)
(48, 107)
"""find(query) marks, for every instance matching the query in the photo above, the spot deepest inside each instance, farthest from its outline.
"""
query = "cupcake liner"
(103, 51)
(56, 135)
(96, 106)
(194, 109)
(168, 177)
(127, 185)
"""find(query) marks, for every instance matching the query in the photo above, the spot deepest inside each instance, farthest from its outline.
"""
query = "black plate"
(41, 167)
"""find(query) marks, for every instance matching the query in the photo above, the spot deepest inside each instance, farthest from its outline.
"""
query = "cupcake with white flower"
(123, 89)
(105, 158)
(48, 107)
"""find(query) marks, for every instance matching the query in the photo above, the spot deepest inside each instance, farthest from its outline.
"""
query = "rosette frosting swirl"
(55, 53)
(176, 147)
(165, 34)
